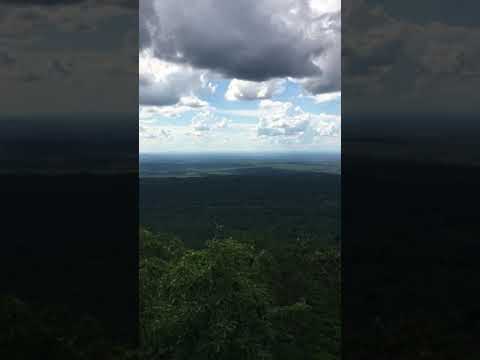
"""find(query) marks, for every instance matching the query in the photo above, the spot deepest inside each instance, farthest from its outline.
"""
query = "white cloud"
(164, 84)
(252, 90)
(280, 126)
(151, 132)
(325, 6)
(222, 124)
(205, 122)
(327, 97)
(288, 124)
(192, 102)
(184, 104)
(250, 113)
(233, 137)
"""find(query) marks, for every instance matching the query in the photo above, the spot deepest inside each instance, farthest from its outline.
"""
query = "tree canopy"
(230, 300)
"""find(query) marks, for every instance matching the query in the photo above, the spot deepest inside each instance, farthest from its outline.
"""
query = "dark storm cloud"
(319, 86)
(156, 96)
(147, 19)
(250, 40)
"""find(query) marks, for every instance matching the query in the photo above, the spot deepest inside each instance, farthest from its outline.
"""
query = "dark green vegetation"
(267, 207)
(231, 300)
(240, 260)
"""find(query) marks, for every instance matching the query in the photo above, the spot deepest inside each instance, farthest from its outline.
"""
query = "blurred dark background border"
(69, 177)
(410, 180)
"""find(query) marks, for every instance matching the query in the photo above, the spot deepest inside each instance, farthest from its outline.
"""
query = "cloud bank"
(248, 40)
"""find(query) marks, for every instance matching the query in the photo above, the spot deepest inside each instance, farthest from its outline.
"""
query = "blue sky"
(231, 91)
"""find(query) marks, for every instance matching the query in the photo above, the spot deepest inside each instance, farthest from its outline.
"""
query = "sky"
(250, 75)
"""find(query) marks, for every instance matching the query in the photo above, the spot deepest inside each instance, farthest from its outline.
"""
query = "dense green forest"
(231, 300)
(240, 266)
(269, 207)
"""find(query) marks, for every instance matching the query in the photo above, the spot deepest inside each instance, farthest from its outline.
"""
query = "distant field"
(202, 165)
